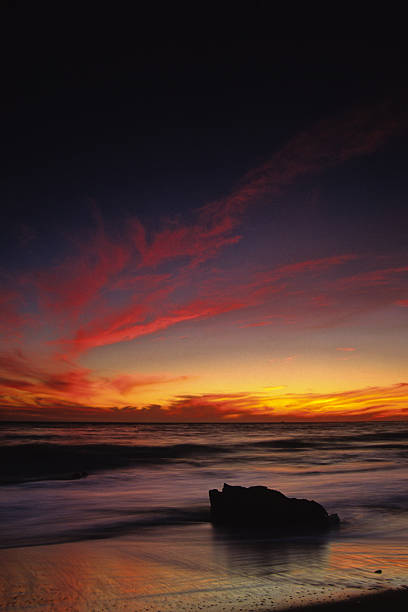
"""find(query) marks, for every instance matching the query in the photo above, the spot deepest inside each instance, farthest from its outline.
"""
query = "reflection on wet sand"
(182, 568)
(262, 553)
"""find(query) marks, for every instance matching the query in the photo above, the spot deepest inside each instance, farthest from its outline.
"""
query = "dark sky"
(165, 129)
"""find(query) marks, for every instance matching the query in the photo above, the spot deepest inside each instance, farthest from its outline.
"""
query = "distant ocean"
(146, 495)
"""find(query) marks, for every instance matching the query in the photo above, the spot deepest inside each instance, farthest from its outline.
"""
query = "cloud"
(11, 318)
(328, 143)
(69, 382)
(152, 313)
(135, 324)
(109, 289)
(97, 264)
(125, 383)
(257, 324)
(377, 277)
(347, 349)
(322, 301)
(371, 403)
(69, 286)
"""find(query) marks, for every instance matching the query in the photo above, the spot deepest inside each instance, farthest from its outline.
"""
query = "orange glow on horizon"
(372, 403)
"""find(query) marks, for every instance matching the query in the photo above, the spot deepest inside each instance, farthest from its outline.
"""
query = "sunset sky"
(205, 234)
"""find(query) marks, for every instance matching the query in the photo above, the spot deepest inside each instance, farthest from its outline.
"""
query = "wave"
(28, 461)
(105, 528)
(31, 456)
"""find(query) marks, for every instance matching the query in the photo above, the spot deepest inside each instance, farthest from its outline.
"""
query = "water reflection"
(260, 553)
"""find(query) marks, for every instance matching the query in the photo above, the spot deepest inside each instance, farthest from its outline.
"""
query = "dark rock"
(260, 506)
(378, 572)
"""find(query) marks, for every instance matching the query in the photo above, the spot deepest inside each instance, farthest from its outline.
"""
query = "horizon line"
(203, 422)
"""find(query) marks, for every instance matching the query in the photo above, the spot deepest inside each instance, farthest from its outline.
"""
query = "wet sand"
(182, 568)
(393, 600)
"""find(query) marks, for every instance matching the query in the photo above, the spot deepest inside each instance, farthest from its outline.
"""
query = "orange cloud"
(371, 403)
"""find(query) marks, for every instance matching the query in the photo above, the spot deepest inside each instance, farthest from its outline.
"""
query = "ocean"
(135, 533)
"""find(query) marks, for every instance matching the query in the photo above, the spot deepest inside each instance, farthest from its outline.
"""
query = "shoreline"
(391, 599)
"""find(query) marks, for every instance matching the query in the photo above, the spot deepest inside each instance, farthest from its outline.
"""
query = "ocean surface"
(141, 516)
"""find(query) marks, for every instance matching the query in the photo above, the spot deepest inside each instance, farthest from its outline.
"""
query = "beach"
(393, 600)
(138, 536)
(183, 569)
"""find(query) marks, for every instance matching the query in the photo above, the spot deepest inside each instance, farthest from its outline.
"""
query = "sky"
(209, 233)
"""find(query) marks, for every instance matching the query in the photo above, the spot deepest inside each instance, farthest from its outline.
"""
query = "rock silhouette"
(260, 506)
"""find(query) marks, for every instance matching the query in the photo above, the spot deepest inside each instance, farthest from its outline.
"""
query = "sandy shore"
(187, 569)
(392, 600)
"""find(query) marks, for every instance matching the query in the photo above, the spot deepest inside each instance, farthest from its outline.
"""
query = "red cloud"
(313, 265)
(328, 143)
(156, 311)
(322, 301)
(76, 281)
(345, 348)
(11, 320)
(73, 383)
(374, 278)
(197, 242)
(140, 320)
(134, 324)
